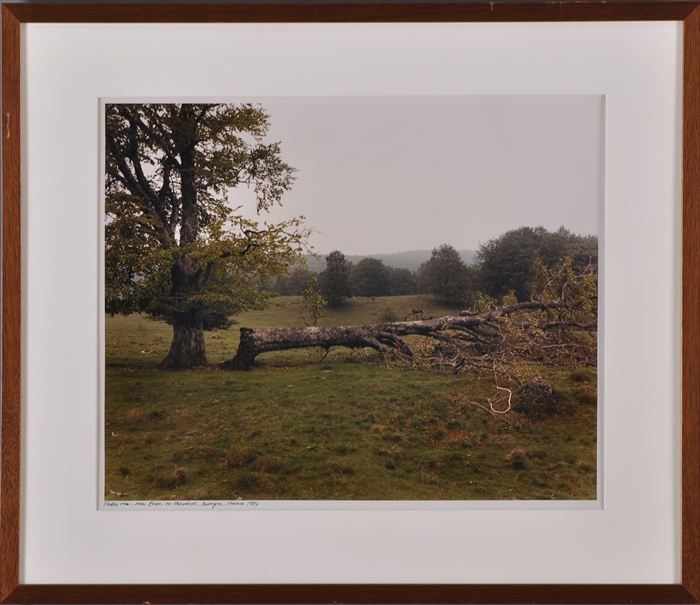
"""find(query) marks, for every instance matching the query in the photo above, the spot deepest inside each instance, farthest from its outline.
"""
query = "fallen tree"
(263, 340)
(557, 327)
(481, 331)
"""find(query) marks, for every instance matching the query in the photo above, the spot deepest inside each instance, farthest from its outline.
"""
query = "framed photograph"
(364, 303)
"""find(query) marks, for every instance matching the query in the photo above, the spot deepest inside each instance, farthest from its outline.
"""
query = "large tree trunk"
(254, 342)
(187, 348)
(481, 330)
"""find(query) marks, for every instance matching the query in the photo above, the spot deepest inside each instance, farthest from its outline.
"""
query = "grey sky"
(386, 174)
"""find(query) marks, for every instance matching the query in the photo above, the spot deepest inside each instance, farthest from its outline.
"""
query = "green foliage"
(370, 277)
(175, 248)
(509, 298)
(229, 284)
(312, 303)
(373, 278)
(507, 262)
(576, 289)
(481, 303)
(446, 277)
(293, 283)
(335, 280)
(402, 281)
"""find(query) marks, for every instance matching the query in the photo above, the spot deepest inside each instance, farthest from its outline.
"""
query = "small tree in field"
(335, 280)
(175, 248)
(312, 303)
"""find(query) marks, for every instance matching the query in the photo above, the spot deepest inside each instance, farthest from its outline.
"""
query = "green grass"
(136, 341)
(346, 428)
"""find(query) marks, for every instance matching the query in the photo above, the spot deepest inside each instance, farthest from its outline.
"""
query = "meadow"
(345, 426)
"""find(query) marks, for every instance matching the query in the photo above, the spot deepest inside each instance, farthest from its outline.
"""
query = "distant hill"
(410, 259)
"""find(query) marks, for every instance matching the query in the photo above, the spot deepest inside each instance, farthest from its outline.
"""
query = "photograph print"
(352, 299)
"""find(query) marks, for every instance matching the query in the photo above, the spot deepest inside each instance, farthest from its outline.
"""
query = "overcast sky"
(389, 174)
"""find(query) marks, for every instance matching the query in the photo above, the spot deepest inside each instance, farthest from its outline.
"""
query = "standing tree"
(369, 277)
(312, 303)
(401, 281)
(175, 248)
(508, 261)
(446, 276)
(335, 280)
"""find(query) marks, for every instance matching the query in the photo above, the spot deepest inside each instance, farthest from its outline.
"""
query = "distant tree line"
(342, 279)
(505, 266)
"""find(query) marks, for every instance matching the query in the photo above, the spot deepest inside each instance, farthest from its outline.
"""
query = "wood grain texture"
(356, 593)
(477, 10)
(11, 592)
(11, 307)
(691, 305)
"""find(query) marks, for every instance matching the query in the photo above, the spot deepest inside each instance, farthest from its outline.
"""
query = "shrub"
(482, 302)
(312, 303)
(537, 400)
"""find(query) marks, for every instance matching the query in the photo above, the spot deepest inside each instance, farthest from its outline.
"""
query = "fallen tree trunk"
(385, 338)
(264, 340)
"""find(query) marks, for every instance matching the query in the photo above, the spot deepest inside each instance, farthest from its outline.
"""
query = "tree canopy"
(370, 277)
(176, 248)
(508, 262)
(402, 281)
(334, 281)
(446, 276)
(293, 283)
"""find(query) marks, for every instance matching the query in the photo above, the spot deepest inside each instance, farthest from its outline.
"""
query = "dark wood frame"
(13, 15)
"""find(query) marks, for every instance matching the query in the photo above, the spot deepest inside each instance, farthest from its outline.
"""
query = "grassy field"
(346, 427)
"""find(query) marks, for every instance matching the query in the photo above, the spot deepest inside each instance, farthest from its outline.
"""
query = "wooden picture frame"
(13, 15)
